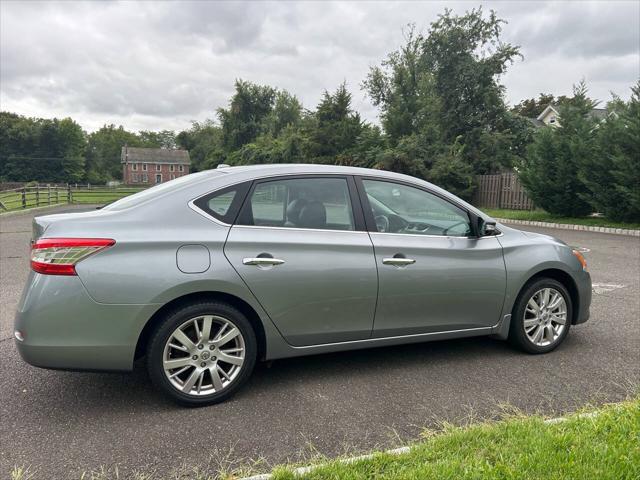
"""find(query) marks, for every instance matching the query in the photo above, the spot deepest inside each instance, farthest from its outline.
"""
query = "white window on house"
(158, 178)
(172, 168)
(135, 178)
(158, 167)
(552, 120)
(181, 168)
(134, 166)
(144, 167)
(145, 178)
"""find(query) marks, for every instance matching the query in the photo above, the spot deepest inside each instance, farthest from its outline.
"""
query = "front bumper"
(62, 327)
(583, 284)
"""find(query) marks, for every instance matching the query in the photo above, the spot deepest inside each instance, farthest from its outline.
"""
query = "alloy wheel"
(545, 317)
(204, 355)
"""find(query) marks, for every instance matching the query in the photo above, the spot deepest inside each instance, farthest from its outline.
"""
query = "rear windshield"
(156, 191)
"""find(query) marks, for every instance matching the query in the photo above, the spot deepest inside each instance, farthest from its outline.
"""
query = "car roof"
(309, 168)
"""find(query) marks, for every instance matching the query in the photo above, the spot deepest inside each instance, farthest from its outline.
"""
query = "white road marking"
(600, 288)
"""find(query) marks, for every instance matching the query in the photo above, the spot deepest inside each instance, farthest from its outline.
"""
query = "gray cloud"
(160, 65)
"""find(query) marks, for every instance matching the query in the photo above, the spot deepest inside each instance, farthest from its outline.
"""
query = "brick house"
(153, 165)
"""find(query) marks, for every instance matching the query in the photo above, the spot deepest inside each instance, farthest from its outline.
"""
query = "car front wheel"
(541, 316)
(202, 353)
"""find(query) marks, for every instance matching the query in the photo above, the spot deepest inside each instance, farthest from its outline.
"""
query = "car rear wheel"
(202, 353)
(541, 317)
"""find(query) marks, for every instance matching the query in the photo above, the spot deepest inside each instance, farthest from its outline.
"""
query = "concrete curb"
(566, 226)
(396, 451)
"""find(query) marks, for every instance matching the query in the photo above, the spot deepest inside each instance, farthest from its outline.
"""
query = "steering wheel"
(446, 230)
(382, 223)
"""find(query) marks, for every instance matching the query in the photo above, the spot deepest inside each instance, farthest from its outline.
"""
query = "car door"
(301, 246)
(433, 276)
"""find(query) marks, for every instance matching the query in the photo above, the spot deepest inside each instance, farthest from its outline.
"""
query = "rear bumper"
(62, 327)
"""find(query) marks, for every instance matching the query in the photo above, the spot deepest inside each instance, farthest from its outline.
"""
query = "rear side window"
(317, 203)
(224, 204)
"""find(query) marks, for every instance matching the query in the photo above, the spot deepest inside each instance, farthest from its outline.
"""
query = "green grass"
(542, 216)
(606, 446)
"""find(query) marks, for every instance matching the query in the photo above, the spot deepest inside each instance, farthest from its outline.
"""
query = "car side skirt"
(287, 351)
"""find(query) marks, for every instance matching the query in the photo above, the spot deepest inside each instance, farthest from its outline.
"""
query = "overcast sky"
(156, 65)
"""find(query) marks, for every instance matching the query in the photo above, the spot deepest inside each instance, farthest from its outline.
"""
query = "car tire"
(525, 324)
(189, 319)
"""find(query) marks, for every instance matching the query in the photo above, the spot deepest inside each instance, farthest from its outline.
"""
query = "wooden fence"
(30, 196)
(503, 190)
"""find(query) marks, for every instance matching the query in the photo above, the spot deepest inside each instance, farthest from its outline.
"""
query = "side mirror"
(488, 228)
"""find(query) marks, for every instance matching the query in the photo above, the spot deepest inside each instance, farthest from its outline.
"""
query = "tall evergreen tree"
(612, 174)
(550, 169)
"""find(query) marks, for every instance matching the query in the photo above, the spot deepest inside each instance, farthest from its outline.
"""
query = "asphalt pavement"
(64, 423)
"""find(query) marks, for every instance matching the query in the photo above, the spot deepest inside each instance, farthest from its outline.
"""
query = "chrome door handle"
(262, 261)
(398, 262)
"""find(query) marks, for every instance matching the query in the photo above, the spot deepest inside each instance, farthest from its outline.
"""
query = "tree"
(335, 126)
(72, 149)
(531, 107)
(451, 170)
(244, 120)
(205, 145)
(286, 112)
(550, 169)
(442, 89)
(104, 152)
(162, 139)
(612, 174)
(466, 56)
(403, 88)
(46, 150)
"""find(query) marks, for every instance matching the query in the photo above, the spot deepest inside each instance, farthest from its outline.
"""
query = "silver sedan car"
(209, 273)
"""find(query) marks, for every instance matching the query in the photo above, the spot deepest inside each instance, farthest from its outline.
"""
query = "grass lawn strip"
(542, 216)
(603, 445)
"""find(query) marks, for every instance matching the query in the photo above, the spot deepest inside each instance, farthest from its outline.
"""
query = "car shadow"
(111, 393)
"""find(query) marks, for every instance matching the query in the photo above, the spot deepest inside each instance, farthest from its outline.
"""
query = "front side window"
(134, 166)
(398, 208)
(158, 167)
(144, 167)
(317, 203)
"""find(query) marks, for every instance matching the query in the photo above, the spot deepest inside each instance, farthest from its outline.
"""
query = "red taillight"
(59, 256)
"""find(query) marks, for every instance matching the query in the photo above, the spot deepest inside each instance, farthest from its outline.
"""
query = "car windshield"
(155, 191)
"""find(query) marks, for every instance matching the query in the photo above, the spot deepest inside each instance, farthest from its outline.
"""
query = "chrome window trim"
(195, 208)
(435, 236)
(300, 229)
(198, 210)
